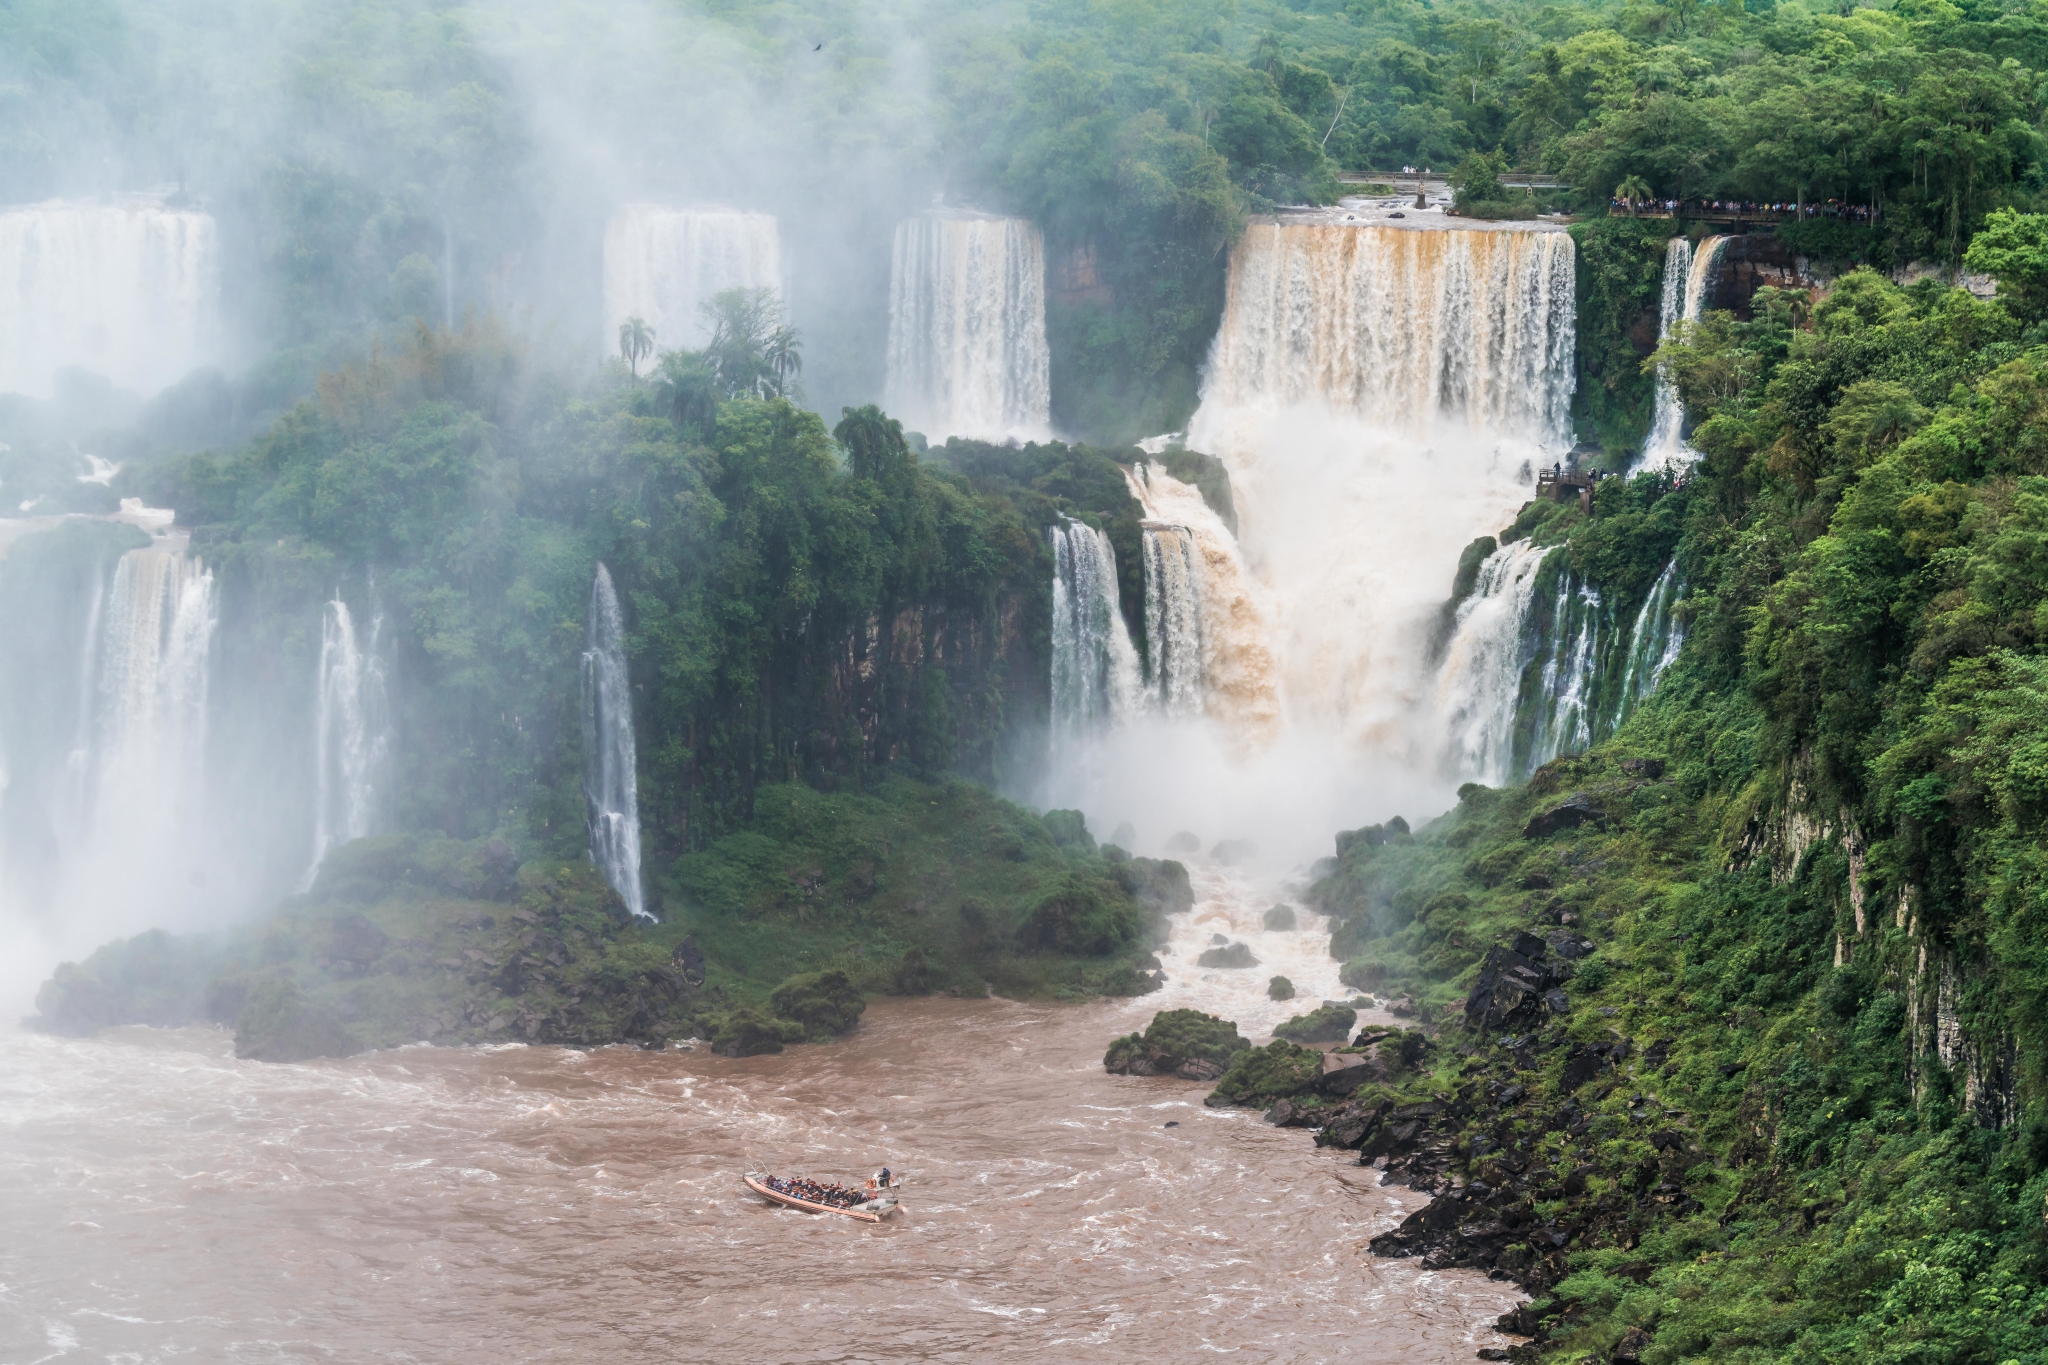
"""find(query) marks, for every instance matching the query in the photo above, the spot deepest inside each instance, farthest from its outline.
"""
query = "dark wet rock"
(1185, 1043)
(1279, 918)
(1648, 769)
(1345, 1072)
(1575, 810)
(826, 1004)
(1218, 939)
(1159, 884)
(1230, 955)
(1629, 1350)
(1513, 985)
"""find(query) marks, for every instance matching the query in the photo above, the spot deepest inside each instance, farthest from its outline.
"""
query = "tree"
(2013, 247)
(1633, 190)
(636, 343)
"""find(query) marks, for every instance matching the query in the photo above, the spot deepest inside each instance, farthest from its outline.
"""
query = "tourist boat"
(883, 1205)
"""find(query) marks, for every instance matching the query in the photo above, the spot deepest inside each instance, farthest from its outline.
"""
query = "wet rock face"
(1521, 983)
(1575, 810)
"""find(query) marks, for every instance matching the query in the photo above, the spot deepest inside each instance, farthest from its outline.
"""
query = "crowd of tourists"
(1747, 208)
(825, 1191)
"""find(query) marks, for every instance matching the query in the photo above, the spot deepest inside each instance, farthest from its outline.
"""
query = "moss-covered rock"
(153, 978)
(280, 1024)
(913, 974)
(747, 1032)
(1259, 1076)
(826, 1004)
(1279, 919)
(1185, 1043)
(1325, 1024)
(1279, 988)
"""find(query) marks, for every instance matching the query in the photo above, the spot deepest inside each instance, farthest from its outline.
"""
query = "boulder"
(1231, 852)
(1575, 810)
(1279, 988)
(825, 1003)
(1344, 1072)
(1515, 987)
(1280, 917)
(1648, 769)
(1185, 1043)
(1327, 1024)
(1231, 955)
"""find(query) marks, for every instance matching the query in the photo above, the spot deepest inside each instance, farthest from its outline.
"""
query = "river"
(160, 1200)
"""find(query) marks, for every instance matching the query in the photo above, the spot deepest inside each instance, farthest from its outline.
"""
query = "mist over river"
(161, 1200)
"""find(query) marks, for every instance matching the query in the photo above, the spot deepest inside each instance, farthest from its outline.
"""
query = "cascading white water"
(155, 657)
(1173, 620)
(129, 290)
(351, 732)
(1687, 275)
(1380, 396)
(611, 789)
(967, 349)
(662, 264)
(1564, 702)
(1401, 329)
(1095, 680)
(1655, 639)
(1479, 685)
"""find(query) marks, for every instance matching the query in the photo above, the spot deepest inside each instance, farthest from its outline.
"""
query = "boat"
(874, 1210)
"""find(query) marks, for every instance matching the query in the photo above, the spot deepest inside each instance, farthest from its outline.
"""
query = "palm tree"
(784, 355)
(1633, 190)
(636, 343)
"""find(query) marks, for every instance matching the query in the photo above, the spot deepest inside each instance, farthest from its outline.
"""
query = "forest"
(1815, 889)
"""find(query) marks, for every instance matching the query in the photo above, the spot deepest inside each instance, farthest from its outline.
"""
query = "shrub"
(1259, 1076)
(746, 1032)
(1279, 988)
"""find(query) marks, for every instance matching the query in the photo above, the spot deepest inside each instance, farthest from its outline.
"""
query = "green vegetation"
(1177, 1042)
(1324, 1024)
(1259, 1076)
(1749, 996)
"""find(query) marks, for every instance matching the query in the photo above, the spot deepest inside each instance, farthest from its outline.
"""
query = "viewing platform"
(1557, 485)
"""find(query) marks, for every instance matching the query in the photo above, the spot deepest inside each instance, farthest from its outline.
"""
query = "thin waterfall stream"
(610, 776)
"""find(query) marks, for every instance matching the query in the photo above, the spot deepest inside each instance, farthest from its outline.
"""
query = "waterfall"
(1402, 327)
(610, 778)
(129, 290)
(1173, 620)
(1687, 274)
(1094, 664)
(1479, 687)
(1655, 638)
(1563, 707)
(662, 264)
(153, 673)
(1380, 396)
(351, 732)
(967, 352)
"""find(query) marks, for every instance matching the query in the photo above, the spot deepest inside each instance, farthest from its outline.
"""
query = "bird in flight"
(819, 48)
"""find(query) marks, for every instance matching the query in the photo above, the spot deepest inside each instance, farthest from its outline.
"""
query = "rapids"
(159, 1198)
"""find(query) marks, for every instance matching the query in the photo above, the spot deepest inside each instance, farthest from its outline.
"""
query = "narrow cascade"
(967, 351)
(351, 732)
(129, 290)
(1479, 688)
(1655, 639)
(662, 264)
(1687, 276)
(1173, 620)
(1095, 678)
(1563, 709)
(611, 791)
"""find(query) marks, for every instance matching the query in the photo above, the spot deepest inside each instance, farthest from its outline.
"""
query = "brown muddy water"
(161, 1201)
